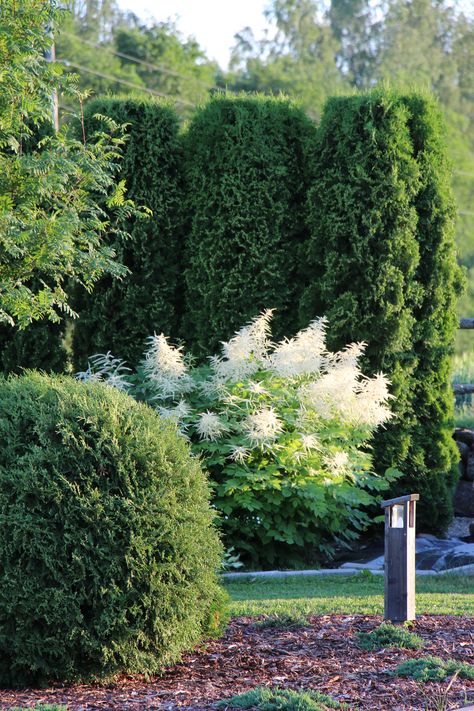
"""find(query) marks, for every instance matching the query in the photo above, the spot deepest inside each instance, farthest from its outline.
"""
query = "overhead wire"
(149, 65)
(111, 77)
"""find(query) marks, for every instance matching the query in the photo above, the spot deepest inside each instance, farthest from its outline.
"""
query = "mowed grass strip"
(353, 594)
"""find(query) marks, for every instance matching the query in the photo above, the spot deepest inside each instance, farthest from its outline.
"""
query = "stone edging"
(463, 570)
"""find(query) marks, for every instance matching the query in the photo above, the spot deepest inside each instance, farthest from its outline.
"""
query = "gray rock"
(462, 555)
(464, 499)
(471, 529)
(464, 450)
(462, 434)
(468, 472)
(427, 560)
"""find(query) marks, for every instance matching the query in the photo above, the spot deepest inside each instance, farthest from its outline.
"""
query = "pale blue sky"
(212, 22)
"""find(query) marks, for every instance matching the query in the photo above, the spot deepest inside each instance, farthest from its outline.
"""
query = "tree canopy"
(51, 216)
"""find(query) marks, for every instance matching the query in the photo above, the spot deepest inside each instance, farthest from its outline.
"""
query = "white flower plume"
(262, 426)
(238, 453)
(303, 354)
(103, 367)
(245, 352)
(165, 369)
(210, 426)
(337, 463)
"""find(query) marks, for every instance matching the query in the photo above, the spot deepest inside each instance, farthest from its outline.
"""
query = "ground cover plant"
(274, 699)
(282, 429)
(434, 669)
(388, 635)
(107, 549)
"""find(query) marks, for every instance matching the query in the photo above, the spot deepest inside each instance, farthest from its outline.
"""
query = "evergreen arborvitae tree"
(433, 457)
(119, 314)
(382, 269)
(246, 192)
(39, 346)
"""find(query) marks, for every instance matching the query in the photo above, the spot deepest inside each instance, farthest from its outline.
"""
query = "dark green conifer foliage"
(433, 456)
(39, 346)
(382, 274)
(119, 314)
(246, 187)
(107, 546)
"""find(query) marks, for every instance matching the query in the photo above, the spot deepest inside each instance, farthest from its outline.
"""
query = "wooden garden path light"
(400, 516)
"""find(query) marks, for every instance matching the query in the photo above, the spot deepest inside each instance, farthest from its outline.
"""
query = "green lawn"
(359, 594)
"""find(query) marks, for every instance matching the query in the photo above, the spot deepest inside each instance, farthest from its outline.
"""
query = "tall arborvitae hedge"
(246, 193)
(381, 259)
(433, 457)
(119, 314)
(39, 346)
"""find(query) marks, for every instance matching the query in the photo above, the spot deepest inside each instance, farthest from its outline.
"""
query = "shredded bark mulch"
(322, 656)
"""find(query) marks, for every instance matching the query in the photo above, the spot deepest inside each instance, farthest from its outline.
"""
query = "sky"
(212, 22)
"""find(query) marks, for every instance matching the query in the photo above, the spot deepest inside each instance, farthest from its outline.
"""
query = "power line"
(470, 213)
(110, 77)
(156, 67)
(465, 173)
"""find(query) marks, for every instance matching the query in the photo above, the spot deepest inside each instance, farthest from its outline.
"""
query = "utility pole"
(50, 56)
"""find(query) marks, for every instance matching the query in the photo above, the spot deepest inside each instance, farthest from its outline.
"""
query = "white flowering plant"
(284, 430)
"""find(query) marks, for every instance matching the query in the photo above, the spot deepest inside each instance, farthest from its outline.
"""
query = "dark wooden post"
(400, 517)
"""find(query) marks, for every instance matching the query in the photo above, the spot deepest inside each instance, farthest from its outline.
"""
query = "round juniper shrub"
(107, 546)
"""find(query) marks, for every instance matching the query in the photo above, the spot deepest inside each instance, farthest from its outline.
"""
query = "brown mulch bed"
(322, 656)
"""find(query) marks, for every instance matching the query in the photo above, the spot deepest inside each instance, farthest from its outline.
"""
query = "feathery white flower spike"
(209, 426)
(246, 351)
(103, 367)
(165, 369)
(263, 426)
(238, 453)
(302, 355)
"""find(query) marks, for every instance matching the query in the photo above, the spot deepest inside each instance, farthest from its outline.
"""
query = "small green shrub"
(434, 669)
(107, 548)
(268, 699)
(387, 635)
(282, 620)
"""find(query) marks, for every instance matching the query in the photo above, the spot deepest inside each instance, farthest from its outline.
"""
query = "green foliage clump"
(268, 699)
(118, 313)
(107, 547)
(51, 221)
(431, 464)
(387, 635)
(283, 429)
(434, 669)
(246, 182)
(381, 266)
